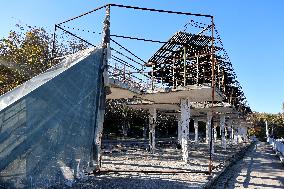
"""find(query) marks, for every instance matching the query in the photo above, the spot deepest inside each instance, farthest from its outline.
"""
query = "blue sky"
(251, 30)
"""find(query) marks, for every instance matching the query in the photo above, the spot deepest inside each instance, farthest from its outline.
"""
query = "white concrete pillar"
(152, 126)
(231, 131)
(228, 131)
(226, 135)
(267, 131)
(245, 134)
(208, 126)
(222, 126)
(236, 135)
(213, 140)
(196, 131)
(185, 118)
(208, 129)
(215, 133)
(179, 129)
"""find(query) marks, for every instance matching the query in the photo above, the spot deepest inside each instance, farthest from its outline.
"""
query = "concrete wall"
(47, 136)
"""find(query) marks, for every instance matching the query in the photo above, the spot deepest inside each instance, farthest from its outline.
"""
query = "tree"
(27, 51)
(275, 124)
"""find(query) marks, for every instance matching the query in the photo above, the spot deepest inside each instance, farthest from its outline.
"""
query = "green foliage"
(275, 123)
(27, 51)
(118, 116)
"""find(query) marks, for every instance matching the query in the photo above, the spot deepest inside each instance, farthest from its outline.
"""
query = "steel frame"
(107, 39)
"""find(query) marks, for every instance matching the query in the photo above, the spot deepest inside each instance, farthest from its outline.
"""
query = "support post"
(236, 135)
(185, 116)
(197, 70)
(267, 131)
(222, 126)
(184, 66)
(152, 78)
(208, 127)
(174, 73)
(104, 90)
(179, 129)
(230, 130)
(226, 134)
(145, 128)
(232, 134)
(152, 127)
(215, 133)
(211, 136)
(196, 131)
(245, 134)
(213, 96)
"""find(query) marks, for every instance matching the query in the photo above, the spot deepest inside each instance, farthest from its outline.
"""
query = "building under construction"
(188, 75)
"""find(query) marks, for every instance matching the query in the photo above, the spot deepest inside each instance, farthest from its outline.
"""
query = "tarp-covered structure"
(48, 125)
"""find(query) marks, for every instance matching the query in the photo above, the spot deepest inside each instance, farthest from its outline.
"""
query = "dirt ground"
(120, 157)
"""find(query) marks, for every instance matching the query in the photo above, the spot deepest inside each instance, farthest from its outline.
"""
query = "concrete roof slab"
(193, 93)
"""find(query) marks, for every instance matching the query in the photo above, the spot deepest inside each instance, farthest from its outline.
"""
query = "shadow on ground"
(98, 182)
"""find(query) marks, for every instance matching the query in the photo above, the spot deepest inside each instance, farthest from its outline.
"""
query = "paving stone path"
(260, 168)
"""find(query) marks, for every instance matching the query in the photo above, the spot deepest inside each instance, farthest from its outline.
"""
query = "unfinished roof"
(185, 59)
(173, 49)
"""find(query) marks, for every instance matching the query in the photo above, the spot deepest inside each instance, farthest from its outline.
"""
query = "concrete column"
(226, 133)
(215, 133)
(267, 131)
(152, 126)
(208, 125)
(222, 126)
(230, 126)
(211, 135)
(229, 132)
(145, 128)
(196, 131)
(185, 116)
(245, 134)
(208, 129)
(236, 135)
(179, 129)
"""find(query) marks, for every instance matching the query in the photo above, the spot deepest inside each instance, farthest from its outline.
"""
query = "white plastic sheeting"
(24, 89)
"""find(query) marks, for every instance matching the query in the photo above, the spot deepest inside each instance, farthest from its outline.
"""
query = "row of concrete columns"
(183, 130)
